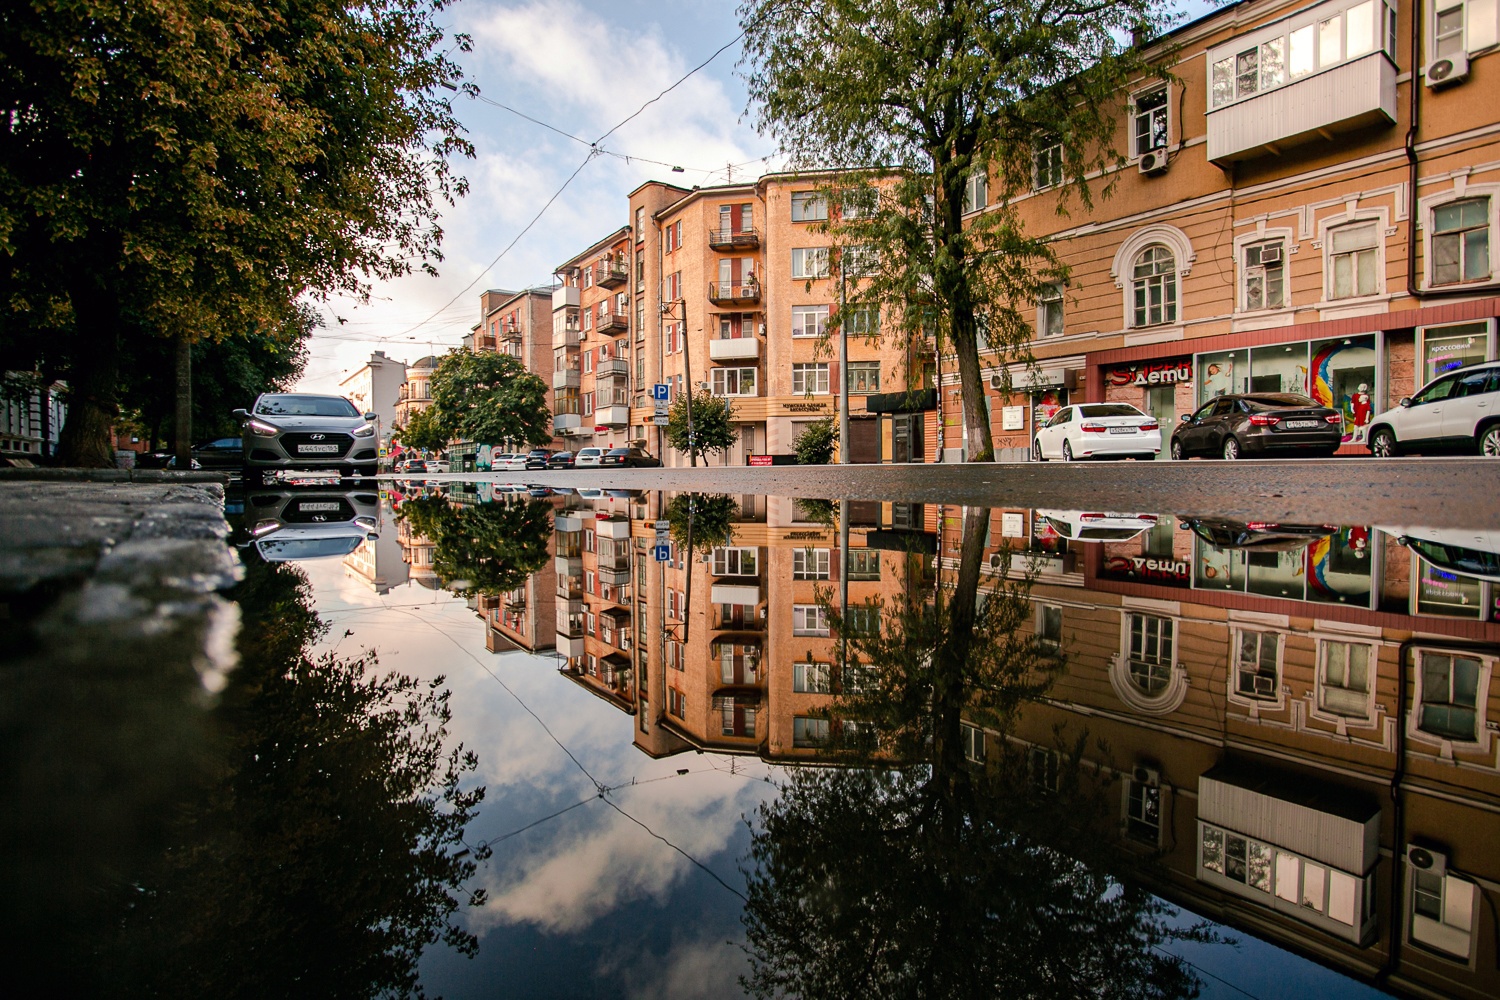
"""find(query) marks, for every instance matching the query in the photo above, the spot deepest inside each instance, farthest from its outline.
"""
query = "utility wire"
(718, 52)
(1200, 969)
(709, 871)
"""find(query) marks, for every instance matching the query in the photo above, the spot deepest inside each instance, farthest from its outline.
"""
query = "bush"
(814, 446)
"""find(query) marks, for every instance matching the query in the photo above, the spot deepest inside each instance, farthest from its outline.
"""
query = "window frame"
(1049, 301)
(802, 200)
(810, 263)
(1459, 234)
(1427, 208)
(821, 563)
(719, 380)
(1420, 700)
(1277, 696)
(863, 385)
(814, 613)
(1124, 680)
(1047, 167)
(820, 313)
(1246, 270)
(1139, 295)
(1320, 706)
(1331, 258)
(1136, 117)
(737, 554)
(817, 369)
(976, 191)
(812, 677)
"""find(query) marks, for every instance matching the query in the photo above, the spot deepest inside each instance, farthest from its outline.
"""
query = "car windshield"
(1110, 410)
(279, 550)
(1272, 400)
(305, 406)
(588, 453)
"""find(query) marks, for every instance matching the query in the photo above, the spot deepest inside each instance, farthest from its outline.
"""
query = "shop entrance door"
(1161, 403)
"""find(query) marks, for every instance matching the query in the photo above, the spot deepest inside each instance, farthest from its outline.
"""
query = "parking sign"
(661, 392)
(661, 553)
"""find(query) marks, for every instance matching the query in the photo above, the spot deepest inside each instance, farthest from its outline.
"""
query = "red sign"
(760, 459)
(1178, 370)
(1148, 569)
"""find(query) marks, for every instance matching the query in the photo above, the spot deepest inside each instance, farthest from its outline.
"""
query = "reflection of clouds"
(707, 967)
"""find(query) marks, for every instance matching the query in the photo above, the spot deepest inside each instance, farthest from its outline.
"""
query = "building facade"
(376, 388)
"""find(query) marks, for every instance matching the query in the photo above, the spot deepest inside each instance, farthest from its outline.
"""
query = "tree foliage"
(485, 549)
(934, 93)
(422, 431)
(702, 521)
(713, 424)
(192, 168)
(489, 398)
(815, 445)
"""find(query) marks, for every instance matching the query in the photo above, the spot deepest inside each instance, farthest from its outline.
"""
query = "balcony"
(612, 527)
(745, 238)
(611, 273)
(566, 423)
(567, 523)
(723, 293)
(612, 416)
(616, 575)
(570, 565)
(735, 593)
(734, 349)
(511, 333)
(569, 645)
(569, 336)
(565, 378)
(612, 323)
(565, 297)
(1343, 98)
(614, 367)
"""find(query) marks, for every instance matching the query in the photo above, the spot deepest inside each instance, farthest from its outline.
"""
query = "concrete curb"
(111, 476)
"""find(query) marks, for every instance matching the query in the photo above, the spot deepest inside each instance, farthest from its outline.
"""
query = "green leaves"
(712, 426)
(491, 399)
(486, 549)
(814, 446)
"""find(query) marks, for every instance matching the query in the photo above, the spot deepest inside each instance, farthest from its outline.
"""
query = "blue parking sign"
(661, 392)
(661, 553)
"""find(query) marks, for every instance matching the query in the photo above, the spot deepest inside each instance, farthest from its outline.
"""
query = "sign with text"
(1176, 371)
(760, 459)
(661, 419)
(1167, 571)
(1012, 418)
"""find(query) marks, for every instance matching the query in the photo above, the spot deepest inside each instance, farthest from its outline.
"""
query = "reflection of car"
(1457, 411)
(587, 457)
(1235, 425)
(560, 460)
(1097, 430)
(632, 457)
(1261, 536)
(223, 453)
(308, 524)
(1097, 526)
(539, 458)
(291, 431)
(1455, 550)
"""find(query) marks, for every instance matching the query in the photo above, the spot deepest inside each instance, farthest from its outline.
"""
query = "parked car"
(1457, 411)
(301, 524)
(560, 460)
(1258, 423)
(301, 431)
(1462, 551)
(1260, 536)
(437, 465)
(510, 463)
(221, 453)
(539, 458)
(1097, 430)
(632, 457)
(587, 457)
(415, 465)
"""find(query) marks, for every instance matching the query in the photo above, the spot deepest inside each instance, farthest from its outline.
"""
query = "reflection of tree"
(712, 516)
(323, 857)
(484, 549)
(926, 876)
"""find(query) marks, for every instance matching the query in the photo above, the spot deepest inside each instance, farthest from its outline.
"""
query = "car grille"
(291, 442)
(318, 509)
(360, 456)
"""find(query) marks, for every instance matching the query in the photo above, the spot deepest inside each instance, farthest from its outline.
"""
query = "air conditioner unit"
(1265, 685)
(1426, 859)
(762, 329)
(1446, 70)
(1154, 162)
(1148, 776)
(1270, 254)
(997, 561)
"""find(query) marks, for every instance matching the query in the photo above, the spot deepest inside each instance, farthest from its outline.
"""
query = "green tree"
(422, 432)
(702, 521)
(485, 549)
(489, 398)
(191, 169)
(814, 446)
(938, 92)
(713, 425)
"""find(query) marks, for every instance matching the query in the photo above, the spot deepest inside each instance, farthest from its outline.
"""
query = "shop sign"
(1148, 569)
(1178, 371)
(805, 407)
(803, 536)
(760, 459)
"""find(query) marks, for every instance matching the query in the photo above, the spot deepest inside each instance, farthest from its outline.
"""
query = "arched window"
(1154, 287)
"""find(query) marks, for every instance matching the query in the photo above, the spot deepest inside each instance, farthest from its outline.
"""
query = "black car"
(633, 457)
(298, 432)
(1258, 423)
(541, 458)
(1261, 536)
(223, 453)
(560, 460)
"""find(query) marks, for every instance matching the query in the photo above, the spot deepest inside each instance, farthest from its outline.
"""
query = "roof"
(431, 361)
(598, 247)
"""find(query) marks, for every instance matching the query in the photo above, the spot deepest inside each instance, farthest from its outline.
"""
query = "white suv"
(1457, 411)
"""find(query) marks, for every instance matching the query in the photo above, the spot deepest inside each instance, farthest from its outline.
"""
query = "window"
(858, 203)
(1237, 858)
(1450, 696)
(1256, 664)
(809, 321)
(640, 223)
(809, 206)
(1264, 276)
(1048, 628)
(1344, 676)
(1154, 284)
(810, 564)
(809, 619)
(812, 678)
(674, 286)
(1150, 653)
(972, 740)
(858, 261)
(863, 619)
(807, 732)
(1448, 30)
(736, 562)
(1150, 120)
(1257, 68)
(810, 262)
(1442, 910)
(734, 381)
(862, 321)
(810, 379)
(1461, 241)
(864, 564)
(1042, 768)
(864, 377)
(676, 703)
(1049, 312)
(1046, 163)
(1352, 261)
(976, 190)
(1143, 810)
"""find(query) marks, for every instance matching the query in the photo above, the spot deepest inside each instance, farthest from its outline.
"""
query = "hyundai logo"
(318, 437)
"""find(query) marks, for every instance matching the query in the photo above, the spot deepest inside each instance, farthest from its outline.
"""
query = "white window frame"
(1171, 290)
(811, 564)
(1328, 228)
(1319, 709)
(1477, 34)
(802, 201)
(800, 317)
(862, 320)
(1122, 269)
(1276, 699)
(1481, 741)
(1461, 191)
(865, 369)
(1047, 164)
(812, 677)
(1452, 934)
(809, 619)
(976, 190)
(1136, 117)
(1050, 300)
(735, 560)
(809, 262)
(742, 378)
(1122, 680)
(819, 372)
(971, 738)
(1244, 270)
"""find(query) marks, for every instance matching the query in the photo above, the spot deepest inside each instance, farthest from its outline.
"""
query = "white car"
(513, 463)
(1097, 430)
(436, 465)
(1462, 551)
(588, 458)
(1096, 526)
(1457, 411)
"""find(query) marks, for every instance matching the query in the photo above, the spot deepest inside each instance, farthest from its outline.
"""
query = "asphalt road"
(1435, 492)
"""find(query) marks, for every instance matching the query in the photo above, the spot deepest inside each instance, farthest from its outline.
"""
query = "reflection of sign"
(1012, 418)
(805, 407)
(661, 525)
(760, 459)
(1152, 569)
(661, 553)
(1012, 525)
(1174, 372)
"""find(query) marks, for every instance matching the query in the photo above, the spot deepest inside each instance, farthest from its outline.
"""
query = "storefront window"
(1221, 373)
(1282, 368)
(1045, 403)
(1445, 348)
(1338, 568)
(1343, 378)
(1449, 594)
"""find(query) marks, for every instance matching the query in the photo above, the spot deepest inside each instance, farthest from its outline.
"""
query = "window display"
(1343, 378)
(1445, 348)
(1278, 369)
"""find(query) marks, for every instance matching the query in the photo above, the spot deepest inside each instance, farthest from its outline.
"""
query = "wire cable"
(707, 870)
(1198, 968)
(718, 52)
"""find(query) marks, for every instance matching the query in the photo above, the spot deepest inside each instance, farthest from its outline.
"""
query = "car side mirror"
(240, 414)
(371, 415)
(1404, 401)
(1186, 417)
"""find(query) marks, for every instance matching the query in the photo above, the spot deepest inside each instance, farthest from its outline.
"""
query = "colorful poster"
(1343, 378)
(482, 458)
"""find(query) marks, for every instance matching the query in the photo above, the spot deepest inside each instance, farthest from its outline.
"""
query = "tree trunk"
(981, 446)
(94, 374)
(950, 681)
(183, 431)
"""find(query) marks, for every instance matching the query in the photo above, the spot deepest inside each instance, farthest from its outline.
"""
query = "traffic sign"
(661, 391)
(661, 553)
(661, 525)
(661, 420)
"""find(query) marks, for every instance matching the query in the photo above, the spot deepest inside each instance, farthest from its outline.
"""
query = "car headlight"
(264, 528)
(263, 429)
(368, 430)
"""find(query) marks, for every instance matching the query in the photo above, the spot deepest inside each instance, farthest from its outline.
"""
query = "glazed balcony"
(565, 378)
(611, 273)
(614, 367)
(743, 238)
(564, 297)
(734, 349)
(726, 293)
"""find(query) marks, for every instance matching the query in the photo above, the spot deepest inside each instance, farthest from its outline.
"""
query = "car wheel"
(1231, 448)
(1178, 455)
(1489, 441)
(1067, 451)
(1383, 444)
(1036, 452)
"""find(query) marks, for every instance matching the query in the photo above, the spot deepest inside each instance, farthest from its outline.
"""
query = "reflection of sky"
(588, 903)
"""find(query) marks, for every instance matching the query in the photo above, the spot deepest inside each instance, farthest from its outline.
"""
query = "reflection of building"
(522, 618)
(417, 552)
(380, 563)
(1301, 724)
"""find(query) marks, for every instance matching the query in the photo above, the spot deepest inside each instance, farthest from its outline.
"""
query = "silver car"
(298, 432)
(588, 457)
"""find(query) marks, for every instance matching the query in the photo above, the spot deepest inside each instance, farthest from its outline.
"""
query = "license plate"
(311, 506)
(317, 449)
(1301, 424)
(1122, 430)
